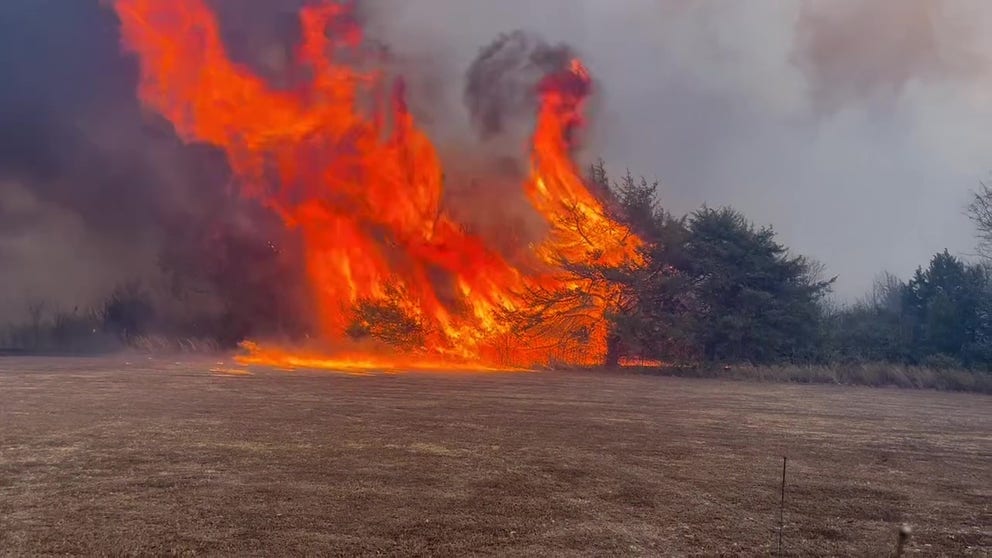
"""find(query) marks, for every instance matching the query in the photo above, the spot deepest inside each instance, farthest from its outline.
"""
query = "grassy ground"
(874, 374)
(158, 457)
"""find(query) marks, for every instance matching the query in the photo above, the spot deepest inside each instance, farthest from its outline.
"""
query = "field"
(141, 456)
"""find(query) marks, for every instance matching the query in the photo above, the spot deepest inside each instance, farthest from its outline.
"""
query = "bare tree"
(886, 293)
(36, 313)
(980, 213)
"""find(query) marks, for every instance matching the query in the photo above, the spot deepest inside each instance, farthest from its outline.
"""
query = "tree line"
(718, 289)
(714, 289)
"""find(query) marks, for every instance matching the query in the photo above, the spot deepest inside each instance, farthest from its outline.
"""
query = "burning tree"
(340, 159)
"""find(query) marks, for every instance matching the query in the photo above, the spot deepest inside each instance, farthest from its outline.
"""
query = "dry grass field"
(137, 456)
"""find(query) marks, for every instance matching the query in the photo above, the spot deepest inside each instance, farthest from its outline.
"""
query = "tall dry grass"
(878, 374)
(165, 344)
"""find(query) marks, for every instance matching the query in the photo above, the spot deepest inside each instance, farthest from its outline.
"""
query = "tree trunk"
(613, 351)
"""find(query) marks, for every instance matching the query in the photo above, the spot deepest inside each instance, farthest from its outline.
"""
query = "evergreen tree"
(656, 327)
(753, 301)
(947, 306)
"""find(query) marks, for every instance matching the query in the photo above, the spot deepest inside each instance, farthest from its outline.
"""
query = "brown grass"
(159, 344)
(142, 456)
(879, 374)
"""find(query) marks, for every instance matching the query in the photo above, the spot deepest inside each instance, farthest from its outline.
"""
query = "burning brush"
(340, 159)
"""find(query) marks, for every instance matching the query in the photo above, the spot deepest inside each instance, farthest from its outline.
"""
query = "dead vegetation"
(137, 456)
(879, 374)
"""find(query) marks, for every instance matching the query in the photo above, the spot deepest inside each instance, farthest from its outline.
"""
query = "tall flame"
(340, 159)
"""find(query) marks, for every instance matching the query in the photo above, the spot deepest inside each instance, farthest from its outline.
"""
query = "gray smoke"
(854, 50)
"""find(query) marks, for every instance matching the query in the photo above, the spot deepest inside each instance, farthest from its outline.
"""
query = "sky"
(856, 128)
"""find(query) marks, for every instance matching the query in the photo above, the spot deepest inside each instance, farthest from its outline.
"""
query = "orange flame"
(343, 163)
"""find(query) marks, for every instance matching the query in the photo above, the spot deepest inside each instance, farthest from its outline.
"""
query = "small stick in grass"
(904, 532)
(781, 507)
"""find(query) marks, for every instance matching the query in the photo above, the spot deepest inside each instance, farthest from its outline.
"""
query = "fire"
(341, 160)
(357, 362)
(637, 362)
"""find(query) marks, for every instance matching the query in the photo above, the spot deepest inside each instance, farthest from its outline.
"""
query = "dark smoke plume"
(95, 191)
(488, 162)
(501, 84)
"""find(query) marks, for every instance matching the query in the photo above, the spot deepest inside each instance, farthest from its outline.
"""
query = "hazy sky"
(856, 128)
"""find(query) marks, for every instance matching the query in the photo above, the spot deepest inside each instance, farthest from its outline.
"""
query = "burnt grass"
(130, 455)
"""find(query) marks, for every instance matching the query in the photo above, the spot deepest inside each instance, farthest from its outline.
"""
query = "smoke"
(69, 191)
(788, 111)
(95, 192)
(42, 250)
(856, 50)
(488, 161)
(501, 84)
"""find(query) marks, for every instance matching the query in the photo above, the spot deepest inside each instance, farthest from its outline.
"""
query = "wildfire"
(340, 159)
